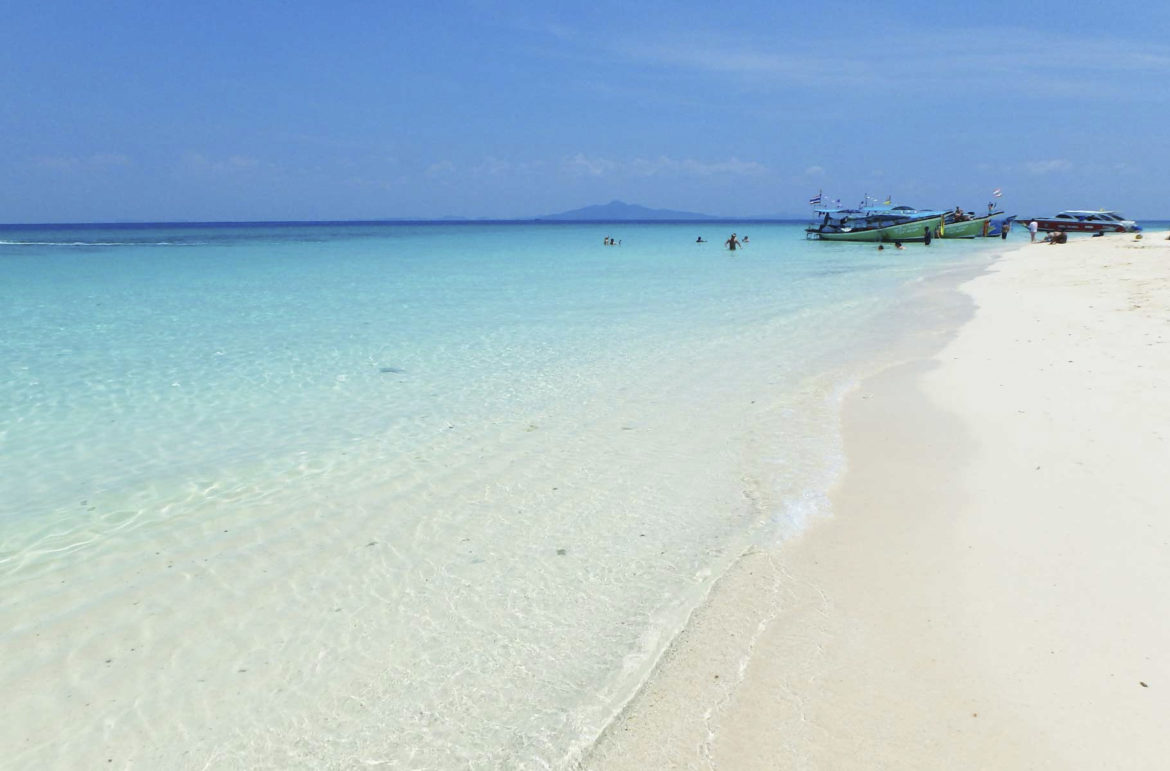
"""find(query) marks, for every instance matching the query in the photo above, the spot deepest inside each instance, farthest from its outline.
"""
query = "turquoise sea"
(413, 495)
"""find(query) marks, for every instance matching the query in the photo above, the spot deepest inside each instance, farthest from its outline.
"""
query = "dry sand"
(993, 587)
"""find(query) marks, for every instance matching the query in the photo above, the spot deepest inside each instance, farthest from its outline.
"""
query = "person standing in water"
(732, 243)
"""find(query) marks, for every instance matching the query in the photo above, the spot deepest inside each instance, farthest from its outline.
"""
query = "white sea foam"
(97, 243)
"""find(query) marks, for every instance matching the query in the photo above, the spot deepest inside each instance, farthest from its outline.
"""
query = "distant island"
(618, 211)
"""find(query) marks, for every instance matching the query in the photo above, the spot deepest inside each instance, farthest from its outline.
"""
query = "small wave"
(102, 243)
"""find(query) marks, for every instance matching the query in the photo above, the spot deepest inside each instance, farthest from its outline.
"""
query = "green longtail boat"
(913, 230)
(972, 228)
(959, 224)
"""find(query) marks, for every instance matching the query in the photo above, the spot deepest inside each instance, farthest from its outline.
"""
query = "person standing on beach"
(1033, 226)
(926, 236)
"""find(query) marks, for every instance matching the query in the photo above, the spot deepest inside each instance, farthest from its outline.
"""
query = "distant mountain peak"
(620, 210)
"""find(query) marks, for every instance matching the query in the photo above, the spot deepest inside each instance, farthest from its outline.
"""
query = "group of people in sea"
(731, 243)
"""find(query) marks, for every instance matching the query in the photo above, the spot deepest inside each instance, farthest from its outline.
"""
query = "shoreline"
(961, 608)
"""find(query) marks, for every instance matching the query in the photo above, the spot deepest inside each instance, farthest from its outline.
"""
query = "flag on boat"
(997, 193)
(815, 199)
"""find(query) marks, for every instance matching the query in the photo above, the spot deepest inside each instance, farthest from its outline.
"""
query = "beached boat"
(998, 224)
(974, 227)
(874, 223)
(1083, 221)
(968, 226)
(914, 230)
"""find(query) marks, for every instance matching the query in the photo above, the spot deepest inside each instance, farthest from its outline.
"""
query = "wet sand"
(991, 588)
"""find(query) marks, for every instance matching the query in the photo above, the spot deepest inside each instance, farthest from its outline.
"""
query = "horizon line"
(544, 220)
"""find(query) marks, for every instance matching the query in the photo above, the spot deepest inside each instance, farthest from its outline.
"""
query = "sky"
(124, 110)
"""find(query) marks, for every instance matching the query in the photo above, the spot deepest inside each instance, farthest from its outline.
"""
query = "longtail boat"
(874, 223)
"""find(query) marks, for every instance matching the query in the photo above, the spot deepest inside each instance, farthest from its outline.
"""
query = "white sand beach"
(991, 590)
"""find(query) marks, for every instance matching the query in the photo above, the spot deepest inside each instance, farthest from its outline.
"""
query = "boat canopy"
(1090, 216)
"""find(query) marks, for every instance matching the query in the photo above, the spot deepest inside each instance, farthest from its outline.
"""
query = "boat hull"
(999, 224)
(906, 231)
(1073, 226)
(974, 228)
(1086, 221)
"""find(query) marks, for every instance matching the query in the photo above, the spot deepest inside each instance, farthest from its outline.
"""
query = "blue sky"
(146, 111)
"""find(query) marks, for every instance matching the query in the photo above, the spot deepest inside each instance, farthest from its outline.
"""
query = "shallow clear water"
(427, 495)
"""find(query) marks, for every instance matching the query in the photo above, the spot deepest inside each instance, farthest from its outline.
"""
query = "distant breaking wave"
(102, 243)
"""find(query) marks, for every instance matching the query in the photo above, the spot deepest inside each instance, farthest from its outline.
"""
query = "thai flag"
(815, 199)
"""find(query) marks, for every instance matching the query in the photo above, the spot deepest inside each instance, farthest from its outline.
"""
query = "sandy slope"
(993, 590)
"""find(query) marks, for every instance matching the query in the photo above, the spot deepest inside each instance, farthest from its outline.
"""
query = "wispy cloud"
(440, 169)
(69, 163)
(109, 159)
(1047, 167)
(491, 166)
(736, 59)
(198, 163)
(998, 60)
(662, 166)
(581, 165)
(688, 167)
(365, 183)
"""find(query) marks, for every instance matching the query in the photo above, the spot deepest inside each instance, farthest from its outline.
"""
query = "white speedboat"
(1078, 221)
